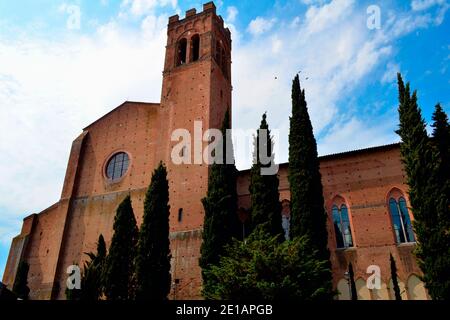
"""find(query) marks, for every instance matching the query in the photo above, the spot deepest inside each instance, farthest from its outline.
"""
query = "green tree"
(91, 278)
(441, 135)
(20, 287)
(351, 276)
(427, 190)
(153, 251)
(262, 268)
(308, 217)
(221, 222)
(440, 240)
(441, 148)
(118, 275)
(265, 197)
(394, 278)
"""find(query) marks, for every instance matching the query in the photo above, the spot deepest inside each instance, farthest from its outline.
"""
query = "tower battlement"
(191, 14)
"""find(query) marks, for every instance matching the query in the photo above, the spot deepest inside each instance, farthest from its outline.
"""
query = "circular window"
(117, 166)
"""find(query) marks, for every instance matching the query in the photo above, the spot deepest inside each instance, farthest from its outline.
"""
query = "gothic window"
(401, 222)
(181, 51)
(224, 63)
(195, 48)
(342, 227)
(286, 217)
(117, 166)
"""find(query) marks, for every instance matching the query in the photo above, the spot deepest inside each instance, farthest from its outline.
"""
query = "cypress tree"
(351, 275)
(221, 222)
(441, 148)
(394, 278)
(441, 177)
(308, 217)
(441, 135)
(118, 276)
(265, 197)
(101, 249)
(153, 251)
(91, 281)
(20, 287)
(426, 191)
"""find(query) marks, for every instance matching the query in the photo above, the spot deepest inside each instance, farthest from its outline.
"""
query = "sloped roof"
(348, 153)
(120, 106)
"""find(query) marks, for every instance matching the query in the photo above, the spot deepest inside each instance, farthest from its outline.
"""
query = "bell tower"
(196, 91)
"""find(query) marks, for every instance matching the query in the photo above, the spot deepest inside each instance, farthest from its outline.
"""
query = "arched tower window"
(224, 63)
(342, 229)
(218, 53)
(401, 221)
(181, 51)
(195, 47)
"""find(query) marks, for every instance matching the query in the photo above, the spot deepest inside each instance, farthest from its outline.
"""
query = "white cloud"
(312, 2)
(356, 134)
(321, 18)
(335, 56)
(232, 13)
(390, 74)
(419, 5)
(260, 25)
(50, 90)
(441, 14)
(144, 7)
(296, 22)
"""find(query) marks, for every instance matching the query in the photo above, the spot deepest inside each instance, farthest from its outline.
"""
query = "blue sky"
(58, 73)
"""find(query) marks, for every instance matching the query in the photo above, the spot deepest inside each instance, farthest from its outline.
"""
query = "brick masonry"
(193, 91)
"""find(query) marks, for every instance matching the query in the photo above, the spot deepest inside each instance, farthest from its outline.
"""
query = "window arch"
(343, 289)
(224, 63)
(401, 222)
(402, 288)
(181, 51)
(380, 294)
(362, 290)
(342, 228)
(218, 53)
(195, 47)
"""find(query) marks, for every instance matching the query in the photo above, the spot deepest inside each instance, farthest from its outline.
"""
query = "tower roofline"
(208, 7)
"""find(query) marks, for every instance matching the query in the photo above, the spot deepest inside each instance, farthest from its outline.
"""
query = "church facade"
(365, 193)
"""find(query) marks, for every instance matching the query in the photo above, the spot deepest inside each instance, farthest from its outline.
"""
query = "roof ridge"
(119, 106)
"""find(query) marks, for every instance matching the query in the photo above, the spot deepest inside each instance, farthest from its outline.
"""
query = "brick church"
(365, 193)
